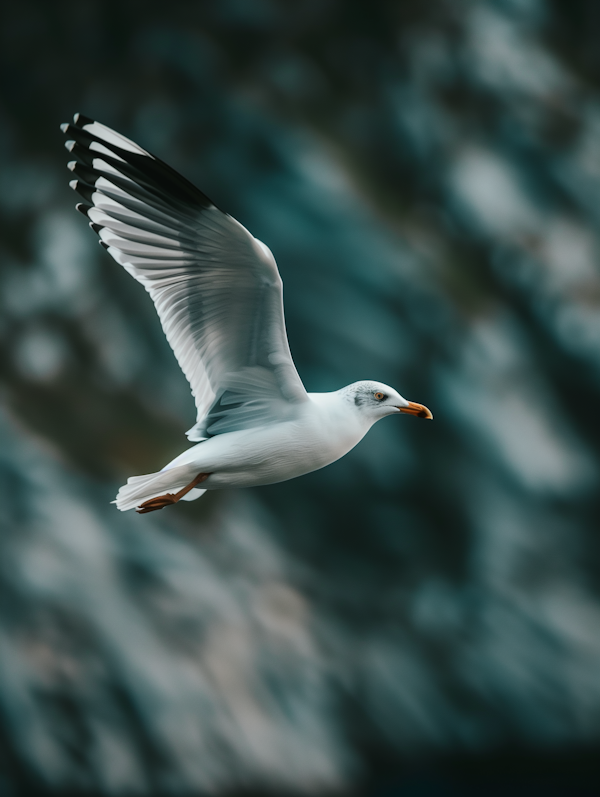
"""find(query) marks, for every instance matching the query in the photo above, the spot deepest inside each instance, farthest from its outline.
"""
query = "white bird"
(219, 297)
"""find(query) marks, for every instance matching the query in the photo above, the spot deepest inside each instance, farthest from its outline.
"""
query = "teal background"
(422, 617)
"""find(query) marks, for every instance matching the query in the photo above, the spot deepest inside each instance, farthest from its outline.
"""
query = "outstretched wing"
(216, 288)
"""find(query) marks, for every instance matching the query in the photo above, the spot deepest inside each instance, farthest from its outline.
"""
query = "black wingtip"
(82, 189)
(82, 120)
(83, 208)
(89, 176)
(96, 227)
(133, 171)
(102, 243)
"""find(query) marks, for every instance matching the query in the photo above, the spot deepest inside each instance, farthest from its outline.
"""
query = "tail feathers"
(141, 488)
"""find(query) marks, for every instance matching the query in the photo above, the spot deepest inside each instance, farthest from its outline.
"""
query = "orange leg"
(170, 498)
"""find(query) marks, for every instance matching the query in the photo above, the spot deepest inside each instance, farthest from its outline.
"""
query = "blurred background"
(422, 617)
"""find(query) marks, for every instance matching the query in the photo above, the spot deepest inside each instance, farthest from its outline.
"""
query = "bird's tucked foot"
(157, 503)
(160, 501)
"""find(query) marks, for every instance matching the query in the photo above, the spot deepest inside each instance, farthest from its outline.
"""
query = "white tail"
(142, 488)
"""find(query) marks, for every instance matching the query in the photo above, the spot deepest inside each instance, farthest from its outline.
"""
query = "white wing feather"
(216, 288)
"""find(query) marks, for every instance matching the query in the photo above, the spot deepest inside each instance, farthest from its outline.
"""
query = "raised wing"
(216, 288)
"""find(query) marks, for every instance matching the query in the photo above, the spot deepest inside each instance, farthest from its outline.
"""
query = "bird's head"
(375, 400)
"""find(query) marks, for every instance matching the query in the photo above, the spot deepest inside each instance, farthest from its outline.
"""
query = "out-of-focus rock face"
(132, 658)
(427, 176)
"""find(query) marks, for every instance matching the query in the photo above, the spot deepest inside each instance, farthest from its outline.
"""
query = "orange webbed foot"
(154, 504)
(161, 501)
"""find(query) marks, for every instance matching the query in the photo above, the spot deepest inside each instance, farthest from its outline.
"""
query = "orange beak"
(417, 409)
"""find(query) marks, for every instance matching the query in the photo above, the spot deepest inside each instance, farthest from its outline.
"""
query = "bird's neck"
(340, 412)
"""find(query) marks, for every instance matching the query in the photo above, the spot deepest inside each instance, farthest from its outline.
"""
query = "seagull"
(219, 297)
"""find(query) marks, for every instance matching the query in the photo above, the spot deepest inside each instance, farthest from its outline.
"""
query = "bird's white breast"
(324, 430)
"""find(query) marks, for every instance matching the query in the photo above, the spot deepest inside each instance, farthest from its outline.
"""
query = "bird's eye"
(379, 396)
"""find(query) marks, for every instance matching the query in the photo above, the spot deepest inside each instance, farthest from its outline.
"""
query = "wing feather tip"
(82, 120)
(84, 190)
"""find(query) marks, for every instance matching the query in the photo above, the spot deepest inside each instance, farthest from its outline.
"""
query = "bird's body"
(325, 428)
(218, 294)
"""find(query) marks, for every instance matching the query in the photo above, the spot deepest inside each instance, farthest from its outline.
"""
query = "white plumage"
(219, 298)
